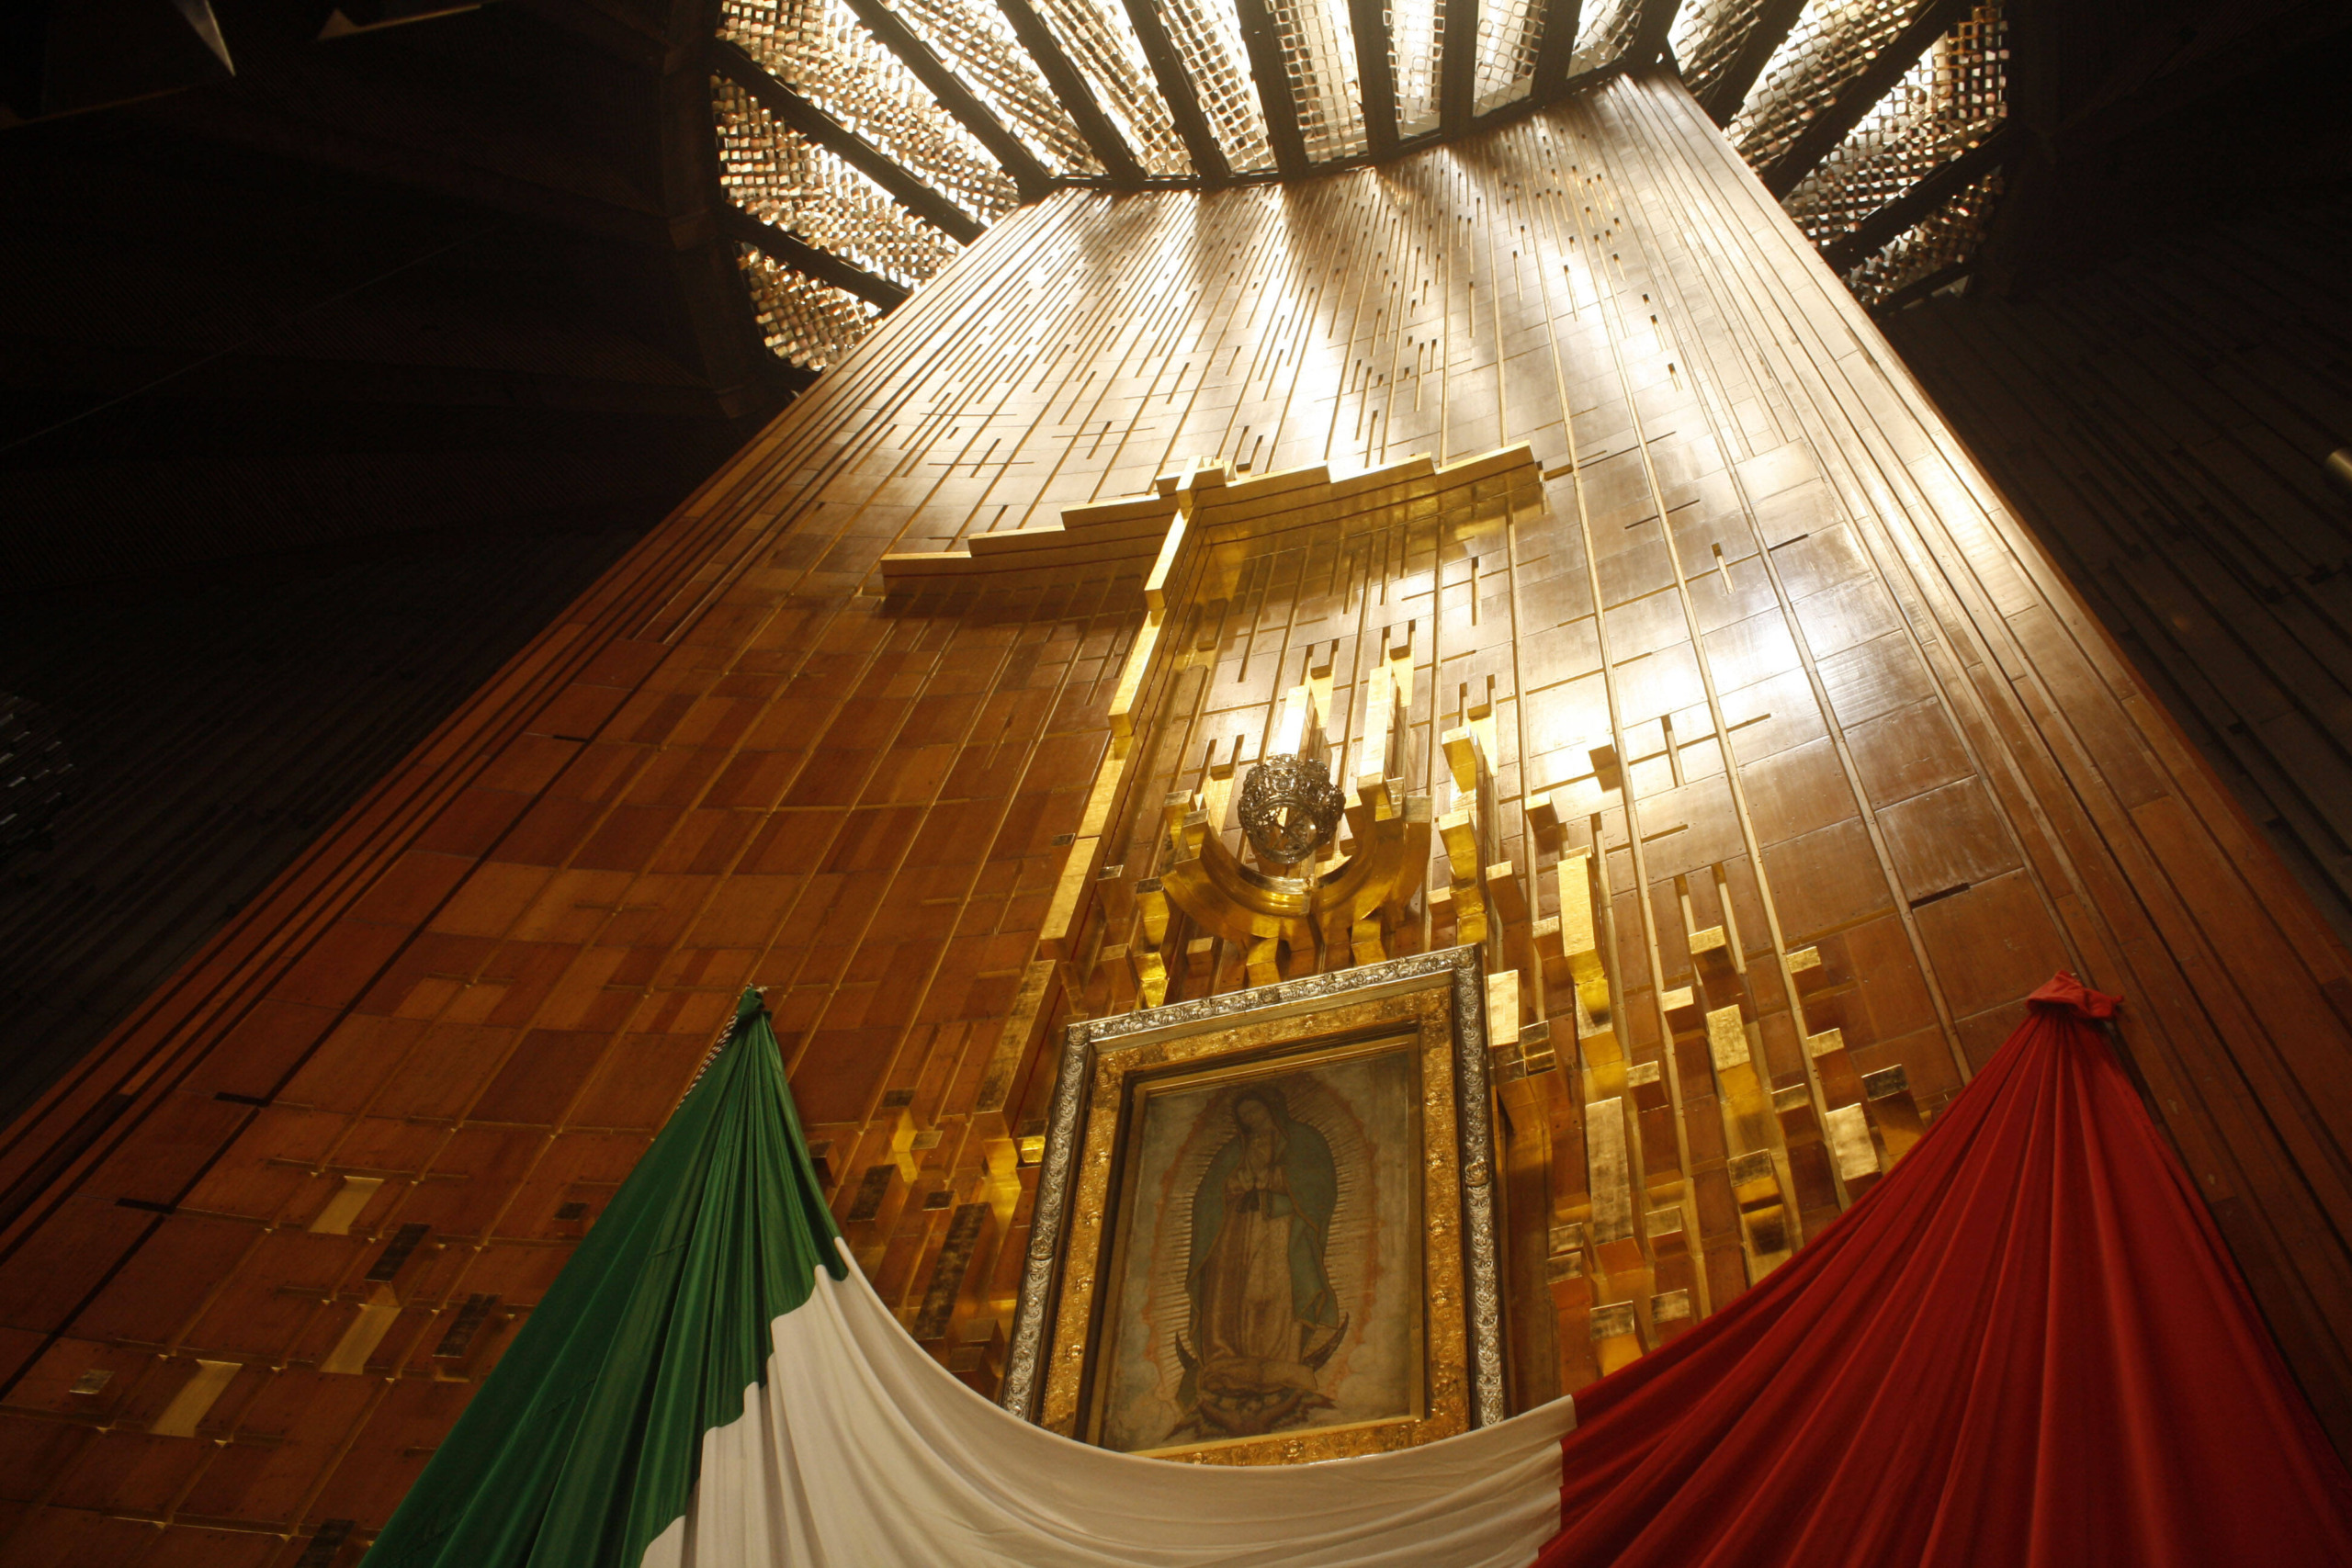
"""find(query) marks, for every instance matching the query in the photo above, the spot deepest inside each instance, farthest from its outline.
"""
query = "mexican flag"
(2027, 1344)
(711, 1382)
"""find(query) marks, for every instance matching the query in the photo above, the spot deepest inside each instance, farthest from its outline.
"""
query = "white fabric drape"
(864, 1453)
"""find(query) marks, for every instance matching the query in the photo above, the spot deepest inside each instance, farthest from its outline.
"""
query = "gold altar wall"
(1841, 704)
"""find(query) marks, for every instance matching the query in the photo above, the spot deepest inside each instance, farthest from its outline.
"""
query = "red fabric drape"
(2025, 1346)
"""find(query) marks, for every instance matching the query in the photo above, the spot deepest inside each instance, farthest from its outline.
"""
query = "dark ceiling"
(321, 390)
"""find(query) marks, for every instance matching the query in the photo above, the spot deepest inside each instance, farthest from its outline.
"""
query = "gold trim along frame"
(1265, 1229)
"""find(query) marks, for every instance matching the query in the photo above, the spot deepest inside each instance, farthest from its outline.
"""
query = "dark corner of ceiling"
(2148, 122)
(344, 345)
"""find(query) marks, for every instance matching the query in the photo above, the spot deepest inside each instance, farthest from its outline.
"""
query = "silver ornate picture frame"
(1341, 1119)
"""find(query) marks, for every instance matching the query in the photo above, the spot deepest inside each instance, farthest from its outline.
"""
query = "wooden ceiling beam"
(1556, 50)
(1375, 80)
(811, 121)
(787, 248)
(1176, 85)
(1919, 288)
(1457, 68)
(1649, 35)
(1932, 191)
(1029, 175)
(1111, 149)
(1266, 67)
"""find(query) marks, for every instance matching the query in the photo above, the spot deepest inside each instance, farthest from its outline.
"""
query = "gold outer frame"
(1054, 1338)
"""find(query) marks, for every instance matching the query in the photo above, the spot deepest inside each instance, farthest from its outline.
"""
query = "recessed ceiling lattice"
(1510, 34)
(780, 177)
(1319, 54)
(1607, 34)
(1207, 37)
(809, 323)
(1100, 39)
(981, 46)
(1949, 102)
(1417, 51)
(893, 131)
(819, 49)
(1833, 42)
(1708, 35)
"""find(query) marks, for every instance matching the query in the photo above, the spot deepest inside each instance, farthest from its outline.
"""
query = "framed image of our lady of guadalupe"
(1265, 1227)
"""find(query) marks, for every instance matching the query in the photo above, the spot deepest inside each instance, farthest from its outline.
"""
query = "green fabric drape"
(585, 1441)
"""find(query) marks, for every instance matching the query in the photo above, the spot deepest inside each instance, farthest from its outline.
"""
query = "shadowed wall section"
(2164, 422)
(1844, 707)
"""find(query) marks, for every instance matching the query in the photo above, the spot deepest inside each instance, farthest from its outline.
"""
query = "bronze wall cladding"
(2164, 423)
(1853, 706)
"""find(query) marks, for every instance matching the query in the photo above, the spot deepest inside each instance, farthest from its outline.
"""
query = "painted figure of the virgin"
(1263, 1319)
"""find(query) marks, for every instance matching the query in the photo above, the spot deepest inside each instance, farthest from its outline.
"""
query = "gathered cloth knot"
(2063, 992)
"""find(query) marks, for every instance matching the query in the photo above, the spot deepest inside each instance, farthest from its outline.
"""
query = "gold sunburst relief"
(1191, 917)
